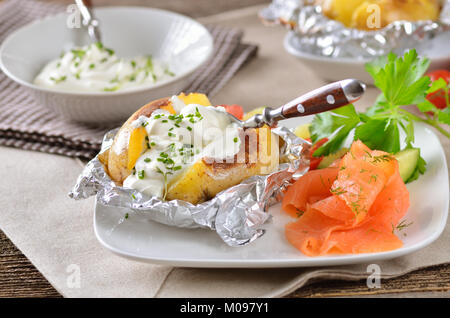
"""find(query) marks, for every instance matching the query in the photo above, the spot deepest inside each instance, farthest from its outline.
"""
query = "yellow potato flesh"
(136, 146)
(341, 10)
(375, 14)
(195, 98)
(302, 131)
(169, 108)
(253, 112)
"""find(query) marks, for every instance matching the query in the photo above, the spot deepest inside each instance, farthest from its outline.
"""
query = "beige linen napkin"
(55, 232)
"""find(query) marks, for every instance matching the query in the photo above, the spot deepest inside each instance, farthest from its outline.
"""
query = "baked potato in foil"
(199, 180)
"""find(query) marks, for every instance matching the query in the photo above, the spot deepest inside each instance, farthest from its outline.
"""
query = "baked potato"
(205, 177)
(362, 14)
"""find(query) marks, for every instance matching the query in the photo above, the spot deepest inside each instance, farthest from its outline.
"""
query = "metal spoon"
(89, 20)
(323, 99)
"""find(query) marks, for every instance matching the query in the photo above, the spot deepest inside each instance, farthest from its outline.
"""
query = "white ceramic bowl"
(130, 31)
(335, 69)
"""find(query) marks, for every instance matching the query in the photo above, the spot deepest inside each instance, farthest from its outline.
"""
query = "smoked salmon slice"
(358, 212)
(312, 187)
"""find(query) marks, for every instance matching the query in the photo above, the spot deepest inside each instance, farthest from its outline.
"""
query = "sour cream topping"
(176, 142)
(95, 68)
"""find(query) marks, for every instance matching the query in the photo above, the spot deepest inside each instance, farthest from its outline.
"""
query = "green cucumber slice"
(407, 162)
(328, 160)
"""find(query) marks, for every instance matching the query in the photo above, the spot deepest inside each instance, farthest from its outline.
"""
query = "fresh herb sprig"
(402, 83)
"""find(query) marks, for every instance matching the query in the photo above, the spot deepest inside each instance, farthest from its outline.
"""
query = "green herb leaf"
(401, 78)
(444, 116)
(379, 134)
(334, 125)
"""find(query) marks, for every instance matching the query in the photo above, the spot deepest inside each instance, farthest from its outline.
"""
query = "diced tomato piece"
(438, 98)
(435, 75)
(315, 161)
(234, 110)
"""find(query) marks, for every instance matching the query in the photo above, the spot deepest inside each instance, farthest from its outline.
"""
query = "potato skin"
(118, 154)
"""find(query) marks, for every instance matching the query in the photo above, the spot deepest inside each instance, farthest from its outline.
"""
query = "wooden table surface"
(19, 278)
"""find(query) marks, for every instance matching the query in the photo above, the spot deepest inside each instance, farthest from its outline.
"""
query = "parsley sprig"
(402, 84)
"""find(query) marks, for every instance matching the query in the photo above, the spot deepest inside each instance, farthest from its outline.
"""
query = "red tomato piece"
(234, 110)
(435, 75)
(438, 98)
(315, 161)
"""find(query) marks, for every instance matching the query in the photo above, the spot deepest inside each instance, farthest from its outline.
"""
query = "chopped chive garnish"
(235, 139)
(58, 80)
(147, 160)
(141, 174)
(111, 89)
(189, 128)
(176, 168)
(91, 66)
(168, 72)
(78, 54)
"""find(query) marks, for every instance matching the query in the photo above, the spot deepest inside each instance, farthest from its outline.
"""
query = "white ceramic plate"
(156, 243)
(334, 69)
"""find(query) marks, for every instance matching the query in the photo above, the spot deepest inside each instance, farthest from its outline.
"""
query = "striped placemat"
(26, 124)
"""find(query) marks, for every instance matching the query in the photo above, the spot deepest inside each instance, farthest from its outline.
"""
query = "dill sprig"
(401, 226)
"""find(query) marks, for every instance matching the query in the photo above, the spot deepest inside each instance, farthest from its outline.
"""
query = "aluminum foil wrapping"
(319, 35)
(236, 214)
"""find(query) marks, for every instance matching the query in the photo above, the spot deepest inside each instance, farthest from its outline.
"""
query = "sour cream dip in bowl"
(145, 54)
